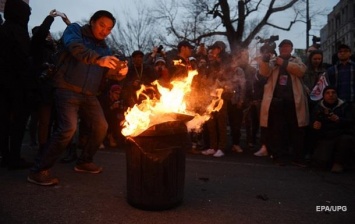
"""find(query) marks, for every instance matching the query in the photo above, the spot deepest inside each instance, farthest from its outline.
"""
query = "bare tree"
(184, 20)
(135, 30)
(208, 19)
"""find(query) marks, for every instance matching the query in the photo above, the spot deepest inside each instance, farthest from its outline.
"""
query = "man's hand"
(53, 13)
(317, 125)
(115, 105)
(123, 71)
(65, 19)
(333, 117)
(279, 61)
(108, 62)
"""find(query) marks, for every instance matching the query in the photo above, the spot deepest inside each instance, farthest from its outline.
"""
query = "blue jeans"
(70, 107)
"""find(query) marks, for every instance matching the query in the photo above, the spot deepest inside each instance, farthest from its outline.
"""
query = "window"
(337, 22)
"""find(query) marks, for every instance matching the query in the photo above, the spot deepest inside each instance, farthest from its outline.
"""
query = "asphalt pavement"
(237, 188)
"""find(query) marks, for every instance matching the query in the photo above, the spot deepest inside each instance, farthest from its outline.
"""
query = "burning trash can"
(156, 166)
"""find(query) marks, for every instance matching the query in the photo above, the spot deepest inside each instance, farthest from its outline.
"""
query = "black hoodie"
(14, 44)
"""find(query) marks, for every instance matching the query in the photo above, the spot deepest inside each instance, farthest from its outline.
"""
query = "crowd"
(75, 91)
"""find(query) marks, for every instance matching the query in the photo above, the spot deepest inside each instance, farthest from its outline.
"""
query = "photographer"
(332, 124)
(157, 52)
(77, 81)
(43, 49)
(284, 104)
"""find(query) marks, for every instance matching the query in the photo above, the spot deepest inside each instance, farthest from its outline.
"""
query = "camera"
(324, 115)
(315, 39)
(269, 44)
(122, 63)
(48, 71)
(160, 48)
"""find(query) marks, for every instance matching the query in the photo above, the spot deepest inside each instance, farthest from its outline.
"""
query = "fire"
(170, 106)
(178, 62)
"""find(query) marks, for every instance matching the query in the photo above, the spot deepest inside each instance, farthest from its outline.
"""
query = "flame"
(178, 62)
(172, 101)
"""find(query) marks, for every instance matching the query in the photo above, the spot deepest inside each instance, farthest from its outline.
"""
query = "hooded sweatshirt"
(15, 45)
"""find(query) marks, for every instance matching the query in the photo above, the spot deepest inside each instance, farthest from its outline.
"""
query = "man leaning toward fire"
(284, 105)
(87, 59)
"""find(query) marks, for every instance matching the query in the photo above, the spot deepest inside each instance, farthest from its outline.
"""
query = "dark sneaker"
(43, 178)
(337, 168)
(88, 168)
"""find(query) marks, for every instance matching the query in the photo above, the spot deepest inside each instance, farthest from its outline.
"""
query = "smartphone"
(121, 64)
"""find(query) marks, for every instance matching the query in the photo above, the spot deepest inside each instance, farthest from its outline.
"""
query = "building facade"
(340, 29)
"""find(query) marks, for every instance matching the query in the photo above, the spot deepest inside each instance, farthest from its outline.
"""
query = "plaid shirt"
(342, 77)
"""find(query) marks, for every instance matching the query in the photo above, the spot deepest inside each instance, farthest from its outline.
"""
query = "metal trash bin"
(156, 166)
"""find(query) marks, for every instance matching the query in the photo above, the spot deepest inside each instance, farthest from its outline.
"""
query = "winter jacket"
(296, 69)
(331, 129)
(15, 46)
(77, 70)
(42, 50)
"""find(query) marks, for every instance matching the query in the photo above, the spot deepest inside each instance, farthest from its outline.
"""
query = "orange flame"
(172, 101)
(178, 62)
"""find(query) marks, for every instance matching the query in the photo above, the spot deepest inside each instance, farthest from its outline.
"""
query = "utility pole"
(308, 24)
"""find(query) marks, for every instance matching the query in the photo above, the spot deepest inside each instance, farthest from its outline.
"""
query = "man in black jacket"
(333, 125)
(180, 65)
(43, 51)
(15, 82)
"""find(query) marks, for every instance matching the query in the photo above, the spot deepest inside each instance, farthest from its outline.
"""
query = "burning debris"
(170, 104)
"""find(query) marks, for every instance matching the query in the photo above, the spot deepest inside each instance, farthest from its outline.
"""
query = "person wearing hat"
(157, 52)
(162, 72)
(332, 122)
(218, 52)
(284, 107)
(220, 73)
(138, 73)
(180, 65)
(342, 76)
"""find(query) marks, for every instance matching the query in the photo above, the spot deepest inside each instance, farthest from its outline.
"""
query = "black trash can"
(156, 166)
